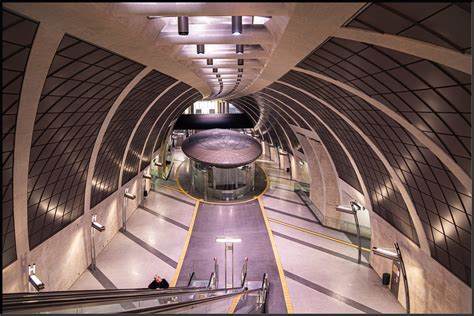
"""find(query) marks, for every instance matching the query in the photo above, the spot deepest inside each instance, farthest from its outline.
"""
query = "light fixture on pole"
(236, 25)
(200, 48)
(396, 255)
(209, 61)
(128, 196)
(228, 245)
(240, 62)
(239, 48)
(355, 207)
(241, 70)
(95, 226)
(34, 280)
(214, 69)
(239, 76)
(218, 75)
(183, 25)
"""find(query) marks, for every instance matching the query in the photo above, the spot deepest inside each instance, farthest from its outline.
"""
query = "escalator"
(199, 296)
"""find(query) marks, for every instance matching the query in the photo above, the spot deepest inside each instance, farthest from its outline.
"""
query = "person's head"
(157, 278)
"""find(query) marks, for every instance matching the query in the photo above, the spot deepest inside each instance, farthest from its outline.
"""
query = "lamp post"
(128, 196)
(95, 226)
(228, 245)
(33, 279)
(396, 255)
(353, 211)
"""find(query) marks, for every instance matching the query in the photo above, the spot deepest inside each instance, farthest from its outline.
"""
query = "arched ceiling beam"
(438, 54)
(463, 177)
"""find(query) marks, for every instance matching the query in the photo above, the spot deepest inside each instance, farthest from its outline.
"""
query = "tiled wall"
(82, 84)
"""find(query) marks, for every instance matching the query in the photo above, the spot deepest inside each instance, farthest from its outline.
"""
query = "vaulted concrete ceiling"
(275, 36)
(220, 65)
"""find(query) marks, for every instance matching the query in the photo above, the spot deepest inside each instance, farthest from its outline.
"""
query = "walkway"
(321, 275)
(241, 220)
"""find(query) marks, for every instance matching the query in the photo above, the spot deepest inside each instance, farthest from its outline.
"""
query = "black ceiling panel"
(18, 34)
(434, 190)
(443, 24)
(109, 160)
(434, 98)
(130, 169)
(72, 108)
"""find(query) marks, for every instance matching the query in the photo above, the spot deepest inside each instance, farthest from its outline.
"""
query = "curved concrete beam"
(132, 37)
(171, 115)
(100, 135)
(199, 9)
(42, 53)
(125, 153)
(438, 54)
(309, 25)
(346, 151)
(449, 162)
(151, 130)
(405, 195)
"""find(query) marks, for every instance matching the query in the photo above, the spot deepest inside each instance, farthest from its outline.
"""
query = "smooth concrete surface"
(86, 281)
(340, 285)
(69, 250)
(432, 288)
(131, 259)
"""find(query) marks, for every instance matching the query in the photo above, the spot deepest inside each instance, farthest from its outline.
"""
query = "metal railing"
(243, 274)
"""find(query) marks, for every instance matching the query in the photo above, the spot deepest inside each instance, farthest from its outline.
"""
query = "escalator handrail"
(89, 293)
(25, 295)
(210, 280)
(190, 279)
(64, 302)
(173, 306)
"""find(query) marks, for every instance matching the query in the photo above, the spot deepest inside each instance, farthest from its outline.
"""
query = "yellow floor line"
(171, 188)
(233, 306)
(185, 248)
(316, 234)
(286, 293)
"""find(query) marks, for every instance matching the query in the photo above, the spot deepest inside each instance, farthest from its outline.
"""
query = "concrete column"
(44, 47)
(332, 217)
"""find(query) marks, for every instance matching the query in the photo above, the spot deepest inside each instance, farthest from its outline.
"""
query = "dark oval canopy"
(222, 148)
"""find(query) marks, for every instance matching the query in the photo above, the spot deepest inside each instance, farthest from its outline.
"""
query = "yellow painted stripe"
(185, 248)
(316, 234)
(171, 188)
(286, 293)
(233, 306)
(182, 190)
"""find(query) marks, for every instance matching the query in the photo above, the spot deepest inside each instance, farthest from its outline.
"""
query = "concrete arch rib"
(100, 136)
(344, 148)
(278, 118)
(168, 123)
(282, 108)
(438, 54)
(42, 53)
(449, 162)
(403, 191)
(275, 124)
(125, 153)
(264, 122)
(251, 118)
(151, 129)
